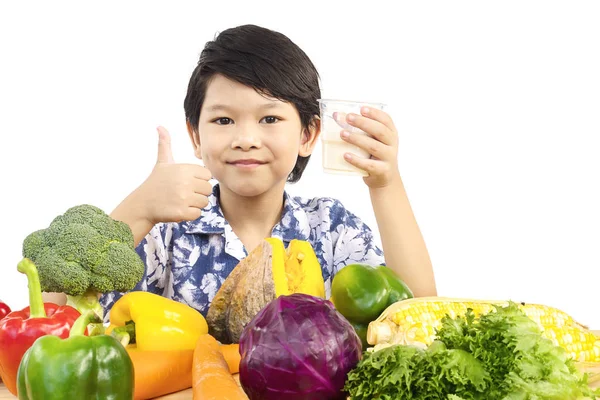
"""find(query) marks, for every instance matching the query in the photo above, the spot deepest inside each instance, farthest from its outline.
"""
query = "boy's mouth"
(247, 162)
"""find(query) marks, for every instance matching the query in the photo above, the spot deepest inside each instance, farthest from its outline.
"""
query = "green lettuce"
(501, 355)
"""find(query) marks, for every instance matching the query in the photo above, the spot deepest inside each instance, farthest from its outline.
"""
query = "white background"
(497, 105)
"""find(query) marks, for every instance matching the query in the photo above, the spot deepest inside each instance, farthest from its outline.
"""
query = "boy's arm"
(403, 245)
(130, 211)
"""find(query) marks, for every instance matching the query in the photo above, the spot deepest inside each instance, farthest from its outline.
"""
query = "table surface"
(593, 368)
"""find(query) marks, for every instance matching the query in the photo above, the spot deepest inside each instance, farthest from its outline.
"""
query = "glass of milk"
(333, 121)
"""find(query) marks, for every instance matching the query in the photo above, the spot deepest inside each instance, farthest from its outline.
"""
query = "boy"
(253, 118)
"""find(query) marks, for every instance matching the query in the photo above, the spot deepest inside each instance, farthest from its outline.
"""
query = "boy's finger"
(374, 128)
(378, 115)
(202, 187)
(165, 153)
(372, 146)
(369, 165)
(201, 172)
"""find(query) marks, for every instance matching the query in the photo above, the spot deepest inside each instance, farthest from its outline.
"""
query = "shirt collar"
(293, 224)
(211, 219)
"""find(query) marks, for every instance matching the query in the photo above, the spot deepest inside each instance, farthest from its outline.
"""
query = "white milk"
(334, 147)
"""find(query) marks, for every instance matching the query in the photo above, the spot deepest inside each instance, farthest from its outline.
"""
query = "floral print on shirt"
(189, 261)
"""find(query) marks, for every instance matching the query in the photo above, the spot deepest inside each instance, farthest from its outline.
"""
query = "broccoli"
(82, 253)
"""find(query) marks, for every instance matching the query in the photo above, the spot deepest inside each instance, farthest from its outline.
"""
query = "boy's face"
(248, 142)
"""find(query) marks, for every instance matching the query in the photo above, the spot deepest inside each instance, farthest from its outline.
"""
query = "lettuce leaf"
(405, 372)
(384, 374)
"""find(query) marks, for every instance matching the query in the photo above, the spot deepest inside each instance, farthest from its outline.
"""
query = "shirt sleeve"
(352, 241)
(156, 253)
(355, 244)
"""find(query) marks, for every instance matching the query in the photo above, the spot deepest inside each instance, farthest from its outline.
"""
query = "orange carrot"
(231, 352)
(161, 372)
(211, 379)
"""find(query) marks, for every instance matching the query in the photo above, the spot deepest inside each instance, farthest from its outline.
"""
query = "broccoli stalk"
(36, 303)
(84, 253)
(86, 301)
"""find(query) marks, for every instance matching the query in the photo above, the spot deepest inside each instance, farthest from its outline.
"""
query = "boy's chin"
(252, 188)
(249, 188)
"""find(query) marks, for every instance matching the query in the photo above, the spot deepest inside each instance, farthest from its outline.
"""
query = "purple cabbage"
(298, 347)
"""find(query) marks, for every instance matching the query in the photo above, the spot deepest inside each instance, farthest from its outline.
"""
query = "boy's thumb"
(165, 153)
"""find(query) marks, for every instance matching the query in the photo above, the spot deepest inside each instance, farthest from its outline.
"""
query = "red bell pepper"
(20, 329)
(4, 309)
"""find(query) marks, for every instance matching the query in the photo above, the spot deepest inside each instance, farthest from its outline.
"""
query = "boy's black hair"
(265, 60)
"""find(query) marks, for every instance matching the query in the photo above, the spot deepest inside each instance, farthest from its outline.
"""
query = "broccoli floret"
(34, 243)
(78, 243)
(109, 273)
(122, 233)
(82, 253)
(60, 275)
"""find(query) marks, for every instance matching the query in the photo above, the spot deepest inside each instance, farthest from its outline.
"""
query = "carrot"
(161, 372)
(211, 378)
(231, 353)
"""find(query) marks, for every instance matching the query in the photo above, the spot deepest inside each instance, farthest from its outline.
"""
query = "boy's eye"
(270, 119)
(223, 121)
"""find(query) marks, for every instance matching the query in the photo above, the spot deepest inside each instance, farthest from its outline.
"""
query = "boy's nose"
(246, 138)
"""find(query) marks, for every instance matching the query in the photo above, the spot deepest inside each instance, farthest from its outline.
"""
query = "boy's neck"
(252, 218)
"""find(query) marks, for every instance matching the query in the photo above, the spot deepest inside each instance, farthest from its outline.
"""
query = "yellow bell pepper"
(155, 322)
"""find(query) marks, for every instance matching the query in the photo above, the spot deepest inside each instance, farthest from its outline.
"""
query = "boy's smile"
(246, 163)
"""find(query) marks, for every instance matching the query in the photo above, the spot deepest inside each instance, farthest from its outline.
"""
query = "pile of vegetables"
(499, 355)
(46, 351)
(297, 347)
(52, 352)
(269, 321)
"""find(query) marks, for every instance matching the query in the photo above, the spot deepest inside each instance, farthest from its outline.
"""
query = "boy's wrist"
(133, 210)
(394, 182)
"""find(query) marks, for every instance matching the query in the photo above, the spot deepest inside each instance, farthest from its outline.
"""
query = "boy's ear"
(310, 134)
(195, 138)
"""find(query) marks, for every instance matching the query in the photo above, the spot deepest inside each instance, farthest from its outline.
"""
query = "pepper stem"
(36, 304)
(125, 334)
(81, 323)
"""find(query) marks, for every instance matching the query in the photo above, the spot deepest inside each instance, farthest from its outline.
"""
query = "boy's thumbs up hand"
(173, 192)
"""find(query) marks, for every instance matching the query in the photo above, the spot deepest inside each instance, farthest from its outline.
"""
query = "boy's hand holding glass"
(174, 192)
(380, 142)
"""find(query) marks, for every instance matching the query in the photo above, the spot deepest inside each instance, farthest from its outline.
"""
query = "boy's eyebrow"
(225, 107)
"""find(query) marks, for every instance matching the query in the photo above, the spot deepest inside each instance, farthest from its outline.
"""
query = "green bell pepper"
(398, 289)
(361, 293)
(361, 330)
(79, 367)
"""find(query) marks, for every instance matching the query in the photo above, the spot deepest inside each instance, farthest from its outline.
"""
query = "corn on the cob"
(414, 321)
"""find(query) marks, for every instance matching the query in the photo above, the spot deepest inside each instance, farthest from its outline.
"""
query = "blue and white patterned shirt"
(189, 261)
